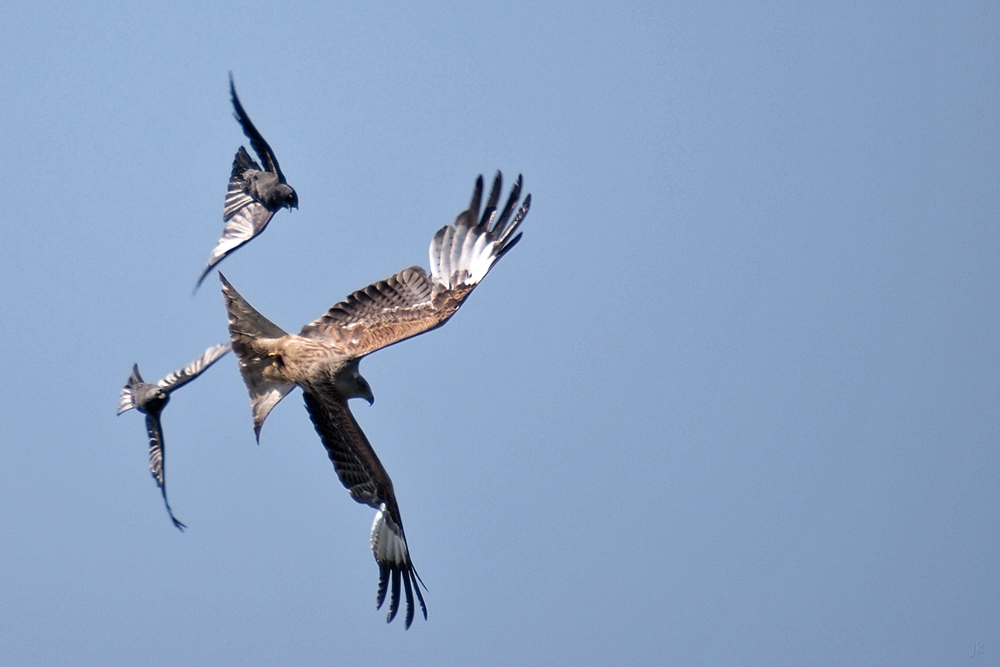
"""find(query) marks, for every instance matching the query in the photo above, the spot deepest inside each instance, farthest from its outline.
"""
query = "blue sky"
(733, 399)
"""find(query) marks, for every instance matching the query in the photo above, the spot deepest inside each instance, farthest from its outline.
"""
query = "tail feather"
(126, 401)
(251, 332)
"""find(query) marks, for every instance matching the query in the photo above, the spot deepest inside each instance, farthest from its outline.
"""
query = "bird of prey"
(254, 194)
(323, 360)
(150, 400)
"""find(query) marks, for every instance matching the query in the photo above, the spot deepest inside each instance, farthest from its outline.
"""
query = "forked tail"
(251, 334)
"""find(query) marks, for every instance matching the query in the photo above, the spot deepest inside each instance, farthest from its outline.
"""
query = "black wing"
(260, 146)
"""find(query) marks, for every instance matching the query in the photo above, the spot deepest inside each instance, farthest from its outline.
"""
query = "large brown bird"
(150, 399)
(323, 360)
(254, 194)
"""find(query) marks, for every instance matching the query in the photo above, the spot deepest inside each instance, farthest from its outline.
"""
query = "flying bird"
(323, 360)
(254, 194)
(150, 400)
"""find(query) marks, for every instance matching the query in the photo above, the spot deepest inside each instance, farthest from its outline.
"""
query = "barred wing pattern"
(244, 216)
(181, 377)
(156, 468)
(411, 302)
(253, 196)
(362, 474)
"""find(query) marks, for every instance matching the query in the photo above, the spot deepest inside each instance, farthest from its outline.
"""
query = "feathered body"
(323, 360)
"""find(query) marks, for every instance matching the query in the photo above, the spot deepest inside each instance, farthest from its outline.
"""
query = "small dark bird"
(254, 195)
(323, 360)
(150, 400)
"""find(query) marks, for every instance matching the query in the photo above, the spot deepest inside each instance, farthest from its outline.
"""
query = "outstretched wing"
(366, 480)
(411, 302)
(156, 462)
(260, 146)
(181, 377)
(245, 223)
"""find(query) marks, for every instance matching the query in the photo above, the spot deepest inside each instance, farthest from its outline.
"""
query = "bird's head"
(351, 384)
(365, 391)
(287, 197)
(154, 399)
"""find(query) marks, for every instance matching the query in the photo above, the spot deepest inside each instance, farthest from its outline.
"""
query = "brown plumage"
(323, 360)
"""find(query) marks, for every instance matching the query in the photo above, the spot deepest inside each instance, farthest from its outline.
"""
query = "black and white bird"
(323, 360)
(254, 194)
(150, 400)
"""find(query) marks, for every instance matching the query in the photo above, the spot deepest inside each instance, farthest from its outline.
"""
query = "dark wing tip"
(477, 199)
(507, 248)
(201, 279)
(393, 596)
(411, 584)
(416, 587)
(235, 98)
(383, 584)
(170, 512)
(409, 599)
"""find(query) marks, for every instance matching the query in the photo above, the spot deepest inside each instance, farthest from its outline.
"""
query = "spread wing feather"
(381, 314)
(156, 468)
(126, 401)
(244, 216)
(411, 302)
(366, 480)
(245, 224)
(236, 194)
(181, 377)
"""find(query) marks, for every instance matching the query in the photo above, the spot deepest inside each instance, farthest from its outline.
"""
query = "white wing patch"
(246, 223)
(462, 254)
(126, 401)
(388, 545)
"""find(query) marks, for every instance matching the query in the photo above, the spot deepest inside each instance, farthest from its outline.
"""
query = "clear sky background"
(733, 399)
